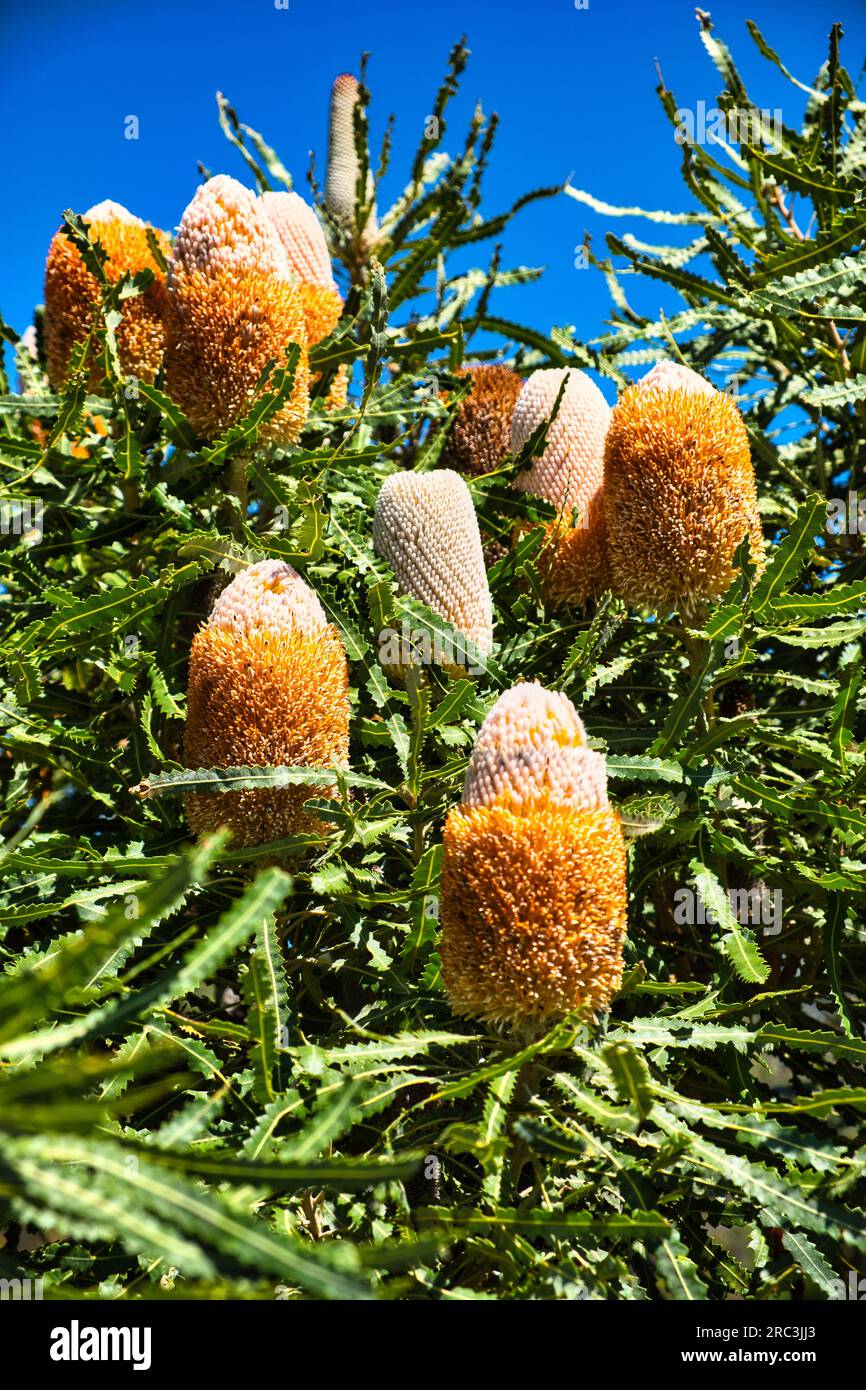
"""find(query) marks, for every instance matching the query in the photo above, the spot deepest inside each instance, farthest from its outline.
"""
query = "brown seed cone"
(735, 698)
(268, 686)
(679, 495)
(480, 434)
(72, 293)
(533, 911)
(494, 551)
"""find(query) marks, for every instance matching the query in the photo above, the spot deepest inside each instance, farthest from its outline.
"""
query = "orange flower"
(679, 491)
(72, 294)
(533, 893)
(268, 686)
(233, 307)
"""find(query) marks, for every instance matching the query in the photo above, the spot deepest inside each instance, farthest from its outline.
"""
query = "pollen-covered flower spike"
(268, 686)
(233, 307)
(533, 894)
(679, 491)
(570, 475)
(72, 293)
(425, 527)
(341, 185)
(303, 241)
(480, 435)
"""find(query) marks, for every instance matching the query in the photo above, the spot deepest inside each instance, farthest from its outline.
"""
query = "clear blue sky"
(574, 89)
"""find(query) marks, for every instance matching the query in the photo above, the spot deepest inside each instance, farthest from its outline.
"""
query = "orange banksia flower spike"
(268, 686)
(426, 529)
(481, 433)
(303, 241)
(679, 491)
(533, 894)
(72, 293)
(570, 475)
(233, 307)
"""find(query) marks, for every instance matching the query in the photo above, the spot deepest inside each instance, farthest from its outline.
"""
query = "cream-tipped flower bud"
(674, 376)
(268, 686)
(570, 475)
(72, 293)
(679, 491)
(533, 744)
(425, 527)
(233, 307)
(533, 898)
(529, 716)
(301, 236)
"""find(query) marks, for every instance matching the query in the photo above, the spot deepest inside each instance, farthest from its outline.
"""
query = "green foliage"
(217, 1076)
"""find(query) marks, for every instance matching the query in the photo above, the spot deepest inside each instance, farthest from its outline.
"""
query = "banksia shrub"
(679, 491)
(570, 475)
(268, 686)
(233, 307)
(533, 898)
(481, 432)
(181, 1019)
(341, 186)
(303, 241)
(425, 527)
(72, 294)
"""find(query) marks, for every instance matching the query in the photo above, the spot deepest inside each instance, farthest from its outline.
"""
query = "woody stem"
(696, 649)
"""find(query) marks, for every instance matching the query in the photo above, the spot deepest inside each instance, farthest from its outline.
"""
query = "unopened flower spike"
(303, 241)
(341, 186)
(570, 475)
(425, 527)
